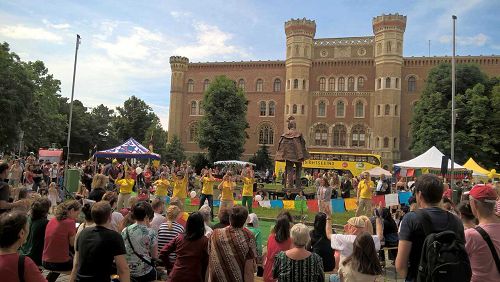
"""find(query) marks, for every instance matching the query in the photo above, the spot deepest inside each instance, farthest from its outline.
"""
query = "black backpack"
(443, 255)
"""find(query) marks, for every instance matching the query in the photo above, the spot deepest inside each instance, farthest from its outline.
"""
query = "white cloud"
(477, 40)
(211, 41)
(179, 14)
(29, 33)
(56, 26)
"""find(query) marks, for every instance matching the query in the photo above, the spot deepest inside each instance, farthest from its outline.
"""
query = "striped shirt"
(165, 235)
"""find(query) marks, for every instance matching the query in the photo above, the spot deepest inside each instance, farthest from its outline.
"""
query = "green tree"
(157, 137)
(174, 151)
(199, 161)
(262, 159)
(16, 94)
(222, 129)
(134, 119)
(102, 131)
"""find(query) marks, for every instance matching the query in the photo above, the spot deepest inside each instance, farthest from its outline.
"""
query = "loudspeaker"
(444, 166)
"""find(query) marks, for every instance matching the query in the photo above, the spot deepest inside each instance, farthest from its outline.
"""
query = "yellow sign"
(318, 164)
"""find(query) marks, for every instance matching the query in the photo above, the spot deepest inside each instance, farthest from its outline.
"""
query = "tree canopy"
(222, 129)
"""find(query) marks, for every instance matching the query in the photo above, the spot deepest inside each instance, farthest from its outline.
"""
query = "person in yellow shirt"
(162, 186)
(227, 187)
(247, 175)
(180, 185)
(364, 196)
(125, 185)
(207, 191)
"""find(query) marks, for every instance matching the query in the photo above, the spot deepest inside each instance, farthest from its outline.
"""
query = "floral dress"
(143, 240)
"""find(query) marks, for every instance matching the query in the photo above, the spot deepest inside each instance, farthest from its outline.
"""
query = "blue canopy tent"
(131, 149)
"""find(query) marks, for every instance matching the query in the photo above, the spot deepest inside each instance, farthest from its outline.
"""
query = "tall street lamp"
(71, 102)
(454, 19)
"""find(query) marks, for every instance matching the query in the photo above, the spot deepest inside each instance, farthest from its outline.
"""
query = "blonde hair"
(300, 235)
(368, 224)
(177, 202)
(172, 214)
(99, 181)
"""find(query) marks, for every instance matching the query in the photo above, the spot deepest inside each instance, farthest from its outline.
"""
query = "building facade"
(353, 94)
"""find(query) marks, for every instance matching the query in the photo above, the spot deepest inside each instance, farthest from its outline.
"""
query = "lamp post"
(71, 101)
(454, 19)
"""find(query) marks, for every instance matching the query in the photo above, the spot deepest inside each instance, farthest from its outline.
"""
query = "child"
(363, 264)
(53, 196)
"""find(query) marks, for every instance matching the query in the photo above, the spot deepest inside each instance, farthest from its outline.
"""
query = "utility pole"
(71, 102)
(454, 18)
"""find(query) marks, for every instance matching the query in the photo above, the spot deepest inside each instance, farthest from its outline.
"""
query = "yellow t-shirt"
(247, 186)
(227, 193)
(365, 191)
(180, 188)
(126, 185)
(161, 187)
(208, 186)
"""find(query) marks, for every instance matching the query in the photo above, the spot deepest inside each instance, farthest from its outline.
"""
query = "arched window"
(350, 84)
(295, 84)
(387, 110)
(262, 108)
(395, 143)
(193, 132)
(322, 84)
(331, 84)
(297, 50)
(201, 110)
(241, 84)
(358, 136)
(340, 112)
(339, 136)
(361, 83)
(190, 85)
(386, 142)
(341, 84)
(379, 83)
(206, 83)
(266, 135)
(378, 110)
(259, 85)
(294, 109)
(388, 82)
(272, 107)
(412, 84)
(396, 110)
(377, 142)
(388, 46)
(397, 83)
(194, 106)
(287, 109)
(302, 109)
(277, 85)
(321, 135)
(359, 109)
(322, 109)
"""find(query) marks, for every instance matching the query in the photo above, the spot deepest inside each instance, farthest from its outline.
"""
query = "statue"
(292, 150)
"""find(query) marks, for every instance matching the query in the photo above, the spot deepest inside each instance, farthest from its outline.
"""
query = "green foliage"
(262, 159)
(156, 136)
(134, 119)
(475, 133)
(101, 128)
(222, 129)
(199, 161)
(174, 150)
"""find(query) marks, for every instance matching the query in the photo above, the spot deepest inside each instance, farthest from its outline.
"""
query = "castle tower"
(179, 67)
(299, 46)
(388, 30)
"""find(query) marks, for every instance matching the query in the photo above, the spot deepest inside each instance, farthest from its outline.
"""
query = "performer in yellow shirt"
(227, 187)
(364, 195)
(247, 175)
(180, 185)
(125, 185)
(207, 191)
(162, 186)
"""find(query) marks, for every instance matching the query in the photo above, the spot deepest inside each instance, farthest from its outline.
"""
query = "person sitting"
(279, 240)
(116, 217)
(253, 226)
(320, 243)
(141, 243)
(297, 264)
(59, 237)
(300, 196)
(183, 215)
(89, 222)
(362, 264)
(96, 249)
(205, 212)
(191, 249)
(37, 222)
(223, 216)
(169, 230)
(13, 233)
(288, 195)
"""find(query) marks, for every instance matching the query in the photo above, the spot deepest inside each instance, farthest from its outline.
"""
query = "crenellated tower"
(389, 31)
(179, 66)
(299, 45)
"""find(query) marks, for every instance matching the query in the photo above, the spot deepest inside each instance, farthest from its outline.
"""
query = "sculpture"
(292, 150)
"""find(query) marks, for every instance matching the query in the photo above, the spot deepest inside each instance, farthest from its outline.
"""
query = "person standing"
(320, 243)
(324, 195)
(207, 190)
(279, 240)
(96, 249)
(481, 253)
(158, 208)
(125, 184)
(169, 230)
(5, 206)
(227, 186)
(364, 196)
(33, 247)
(247, 175)
(232, 250)
(15, 172)
(180, 185)
(346, 187)
(162, 185)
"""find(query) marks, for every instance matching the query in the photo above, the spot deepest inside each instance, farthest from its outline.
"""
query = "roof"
(50, 153)
(430, 159)
(477, 169)
(130, 149)
(377, 171)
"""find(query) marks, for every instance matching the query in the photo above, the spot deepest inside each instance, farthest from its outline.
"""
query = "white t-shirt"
(158, 219)
(344, 244)
(116, 221)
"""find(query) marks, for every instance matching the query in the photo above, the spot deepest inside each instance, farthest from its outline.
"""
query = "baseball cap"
(356, 222)
(484, 193)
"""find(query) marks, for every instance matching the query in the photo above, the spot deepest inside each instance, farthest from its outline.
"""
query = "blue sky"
(126, 44)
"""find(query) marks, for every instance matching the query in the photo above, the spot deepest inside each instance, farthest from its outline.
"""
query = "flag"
(276, 204)
(350, 204)
(301, 205)
(379, 199)
(288, 204)
(338, 205)
(312, 205)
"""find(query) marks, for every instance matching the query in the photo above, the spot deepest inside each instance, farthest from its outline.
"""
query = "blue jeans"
(210, 199)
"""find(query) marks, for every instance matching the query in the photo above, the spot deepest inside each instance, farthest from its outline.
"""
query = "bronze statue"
(292, 150)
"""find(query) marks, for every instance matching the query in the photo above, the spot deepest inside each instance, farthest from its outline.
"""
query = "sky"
(126, 45)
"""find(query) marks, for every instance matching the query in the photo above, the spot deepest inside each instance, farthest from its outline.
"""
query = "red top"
(9, 272)
(273, 248)
(56, 244)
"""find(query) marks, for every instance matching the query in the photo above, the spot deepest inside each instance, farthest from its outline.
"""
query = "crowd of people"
(106, 232)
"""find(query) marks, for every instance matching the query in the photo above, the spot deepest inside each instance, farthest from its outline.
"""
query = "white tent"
(430, 159)
(377, 171)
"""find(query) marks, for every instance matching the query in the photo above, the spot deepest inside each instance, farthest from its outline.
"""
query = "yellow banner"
(288, 204)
